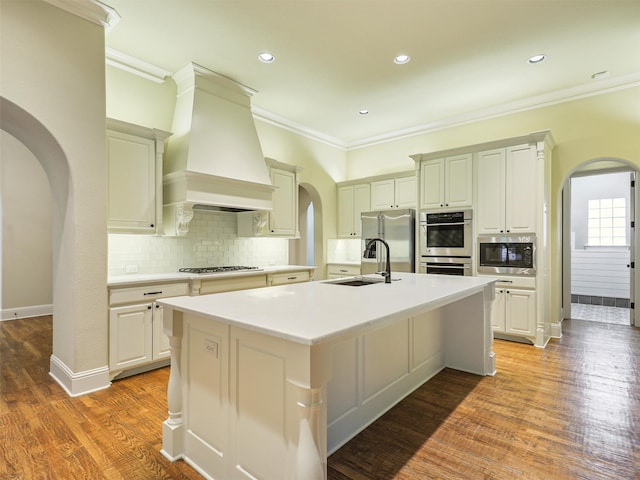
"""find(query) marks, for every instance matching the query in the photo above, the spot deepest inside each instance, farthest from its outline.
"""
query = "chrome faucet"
(368, 253)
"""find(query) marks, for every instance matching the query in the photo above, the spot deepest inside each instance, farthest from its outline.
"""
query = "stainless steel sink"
(357, 281)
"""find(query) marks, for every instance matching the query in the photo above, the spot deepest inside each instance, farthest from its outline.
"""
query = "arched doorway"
(309, 247)
(599, 166)
(79, 359)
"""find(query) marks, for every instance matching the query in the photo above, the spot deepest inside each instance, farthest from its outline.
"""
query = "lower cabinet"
(514, 311)
(340, 270)
(136, 338)
(285, 278)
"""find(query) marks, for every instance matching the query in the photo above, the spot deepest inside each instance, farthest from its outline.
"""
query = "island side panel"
(278, 400)
(468, 338)
(375, 370)
(206, 393)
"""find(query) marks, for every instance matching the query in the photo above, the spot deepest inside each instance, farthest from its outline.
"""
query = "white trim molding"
(25, 312)
(91, 10)
(138, 67)
(78, 383)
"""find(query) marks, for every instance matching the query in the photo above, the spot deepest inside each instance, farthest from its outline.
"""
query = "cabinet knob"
(152, 225)
(148, 307)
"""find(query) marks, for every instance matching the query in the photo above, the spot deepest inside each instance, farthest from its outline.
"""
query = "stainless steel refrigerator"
(397, 228)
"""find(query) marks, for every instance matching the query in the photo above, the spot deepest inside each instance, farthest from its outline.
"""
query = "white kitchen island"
(266, 383)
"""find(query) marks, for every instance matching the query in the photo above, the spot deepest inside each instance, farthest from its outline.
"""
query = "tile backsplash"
(344, 250)
(212, 240)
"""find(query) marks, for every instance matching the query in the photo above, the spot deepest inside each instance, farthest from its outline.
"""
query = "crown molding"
(297, 128)
(553, 98)
(91, 10)
(118, 59)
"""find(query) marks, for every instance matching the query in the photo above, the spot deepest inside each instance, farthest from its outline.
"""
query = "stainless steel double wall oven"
(446, 242)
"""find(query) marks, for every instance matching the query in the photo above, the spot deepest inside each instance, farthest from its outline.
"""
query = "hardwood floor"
(569, 411)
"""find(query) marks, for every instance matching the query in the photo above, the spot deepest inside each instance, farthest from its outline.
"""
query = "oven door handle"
(453, 224)
(451, 266)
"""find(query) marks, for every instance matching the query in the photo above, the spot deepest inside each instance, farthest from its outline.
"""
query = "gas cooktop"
(232, 268)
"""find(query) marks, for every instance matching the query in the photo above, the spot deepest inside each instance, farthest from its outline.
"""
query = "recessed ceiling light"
(266, 57)
(364, 111)
(536, 59)
(401, 59)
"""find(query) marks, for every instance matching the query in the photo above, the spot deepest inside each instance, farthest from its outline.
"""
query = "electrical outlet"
(211, 347)
(131, 268)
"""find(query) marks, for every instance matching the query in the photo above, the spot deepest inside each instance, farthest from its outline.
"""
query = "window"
(607, 222)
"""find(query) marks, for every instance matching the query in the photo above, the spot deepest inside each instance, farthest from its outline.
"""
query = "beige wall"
(26, 230)
(603, 126)
(52, 92)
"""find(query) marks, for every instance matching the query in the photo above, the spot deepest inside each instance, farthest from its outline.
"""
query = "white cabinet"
(352, 201)
(394, 193)
(446, 182)
(285, 278)
(282, 221)
(514, 308)
(339, 270)
(507, 190)
(134, 178)
(135, 325)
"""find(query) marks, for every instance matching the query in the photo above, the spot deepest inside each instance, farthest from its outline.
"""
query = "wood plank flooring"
(569, 411)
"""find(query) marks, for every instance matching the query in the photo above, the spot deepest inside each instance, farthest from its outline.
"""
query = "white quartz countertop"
(144, 278)
(314, 312)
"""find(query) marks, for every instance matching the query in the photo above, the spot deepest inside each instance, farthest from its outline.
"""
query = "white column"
(173, 427)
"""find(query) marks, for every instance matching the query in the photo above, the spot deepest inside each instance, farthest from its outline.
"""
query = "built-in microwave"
(446, 234)
(507, 254)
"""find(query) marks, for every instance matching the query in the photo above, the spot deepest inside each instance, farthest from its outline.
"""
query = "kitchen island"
(266, 383)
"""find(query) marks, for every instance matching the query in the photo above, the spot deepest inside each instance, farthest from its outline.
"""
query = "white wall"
(585, 188)
(52, 92)
(26, 232)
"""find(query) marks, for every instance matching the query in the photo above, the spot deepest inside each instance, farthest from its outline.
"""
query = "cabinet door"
(520, 193)
(131, 179)
(458, 187)
(383, 193)
(521, 312)
(491, 192)
(361, 203)
(405, 192)
(345, 212)
(160, 340)
(498, 322)
(130, 336)
(432, 184)
(283, 217)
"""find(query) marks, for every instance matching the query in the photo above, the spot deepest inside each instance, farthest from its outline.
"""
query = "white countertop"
(313, 312)
(138, 278)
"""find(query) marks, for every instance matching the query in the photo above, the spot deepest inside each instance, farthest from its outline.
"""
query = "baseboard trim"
(25, 312)
(78, 383)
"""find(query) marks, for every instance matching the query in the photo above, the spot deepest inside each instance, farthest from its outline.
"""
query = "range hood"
(213, 159)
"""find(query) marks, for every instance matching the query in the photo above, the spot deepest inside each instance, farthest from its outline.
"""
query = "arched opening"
(308, 249)
(592, 168)
(39, 140)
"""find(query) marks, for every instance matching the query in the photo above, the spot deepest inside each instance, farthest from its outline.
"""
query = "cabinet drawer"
(229, 284)
(343, 270)
(292, 277)
(147, 293)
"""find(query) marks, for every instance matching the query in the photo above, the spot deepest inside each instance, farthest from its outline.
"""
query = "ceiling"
(334, 58)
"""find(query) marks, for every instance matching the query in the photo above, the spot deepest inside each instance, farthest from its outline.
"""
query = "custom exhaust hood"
(214, 159)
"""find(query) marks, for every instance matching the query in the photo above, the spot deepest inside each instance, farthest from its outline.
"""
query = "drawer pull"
(291, 278)
(344, 270)
(153, 293)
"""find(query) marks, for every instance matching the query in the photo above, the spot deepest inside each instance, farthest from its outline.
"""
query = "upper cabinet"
(508, 200)
(446, 182)
(352, 201)
(394, 193)
(282, 221)
(134, 178)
